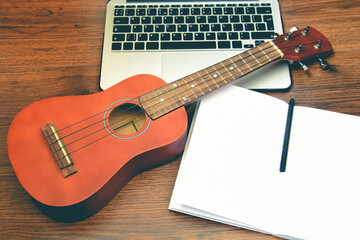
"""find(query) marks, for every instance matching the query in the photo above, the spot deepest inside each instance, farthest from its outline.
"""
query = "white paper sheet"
(230, 170)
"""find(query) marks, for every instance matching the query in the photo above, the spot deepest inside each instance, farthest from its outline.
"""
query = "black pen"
(287, 135)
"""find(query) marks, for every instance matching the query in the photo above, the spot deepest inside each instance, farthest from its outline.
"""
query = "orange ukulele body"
(104, 158)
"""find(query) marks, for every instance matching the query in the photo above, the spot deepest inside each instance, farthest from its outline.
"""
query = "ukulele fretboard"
(176, 94)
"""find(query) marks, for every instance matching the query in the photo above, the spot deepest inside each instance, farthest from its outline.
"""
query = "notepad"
(230, 169)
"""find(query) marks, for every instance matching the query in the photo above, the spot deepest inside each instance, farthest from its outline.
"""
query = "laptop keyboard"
(191, 26)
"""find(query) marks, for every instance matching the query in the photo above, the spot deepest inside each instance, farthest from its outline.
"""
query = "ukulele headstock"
(304, 44)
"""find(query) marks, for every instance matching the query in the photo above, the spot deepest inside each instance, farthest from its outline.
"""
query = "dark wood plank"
(51, 33)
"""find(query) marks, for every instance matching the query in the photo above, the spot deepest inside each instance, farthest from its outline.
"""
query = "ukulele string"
(131, 106)
(180, 86)
(142, 111)
(125, 126)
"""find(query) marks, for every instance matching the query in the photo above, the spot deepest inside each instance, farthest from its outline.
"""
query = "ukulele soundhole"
(125, 119)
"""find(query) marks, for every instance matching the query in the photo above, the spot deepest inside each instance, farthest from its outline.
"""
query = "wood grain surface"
(53, 48)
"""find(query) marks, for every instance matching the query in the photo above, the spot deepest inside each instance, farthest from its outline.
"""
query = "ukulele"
(73, 154)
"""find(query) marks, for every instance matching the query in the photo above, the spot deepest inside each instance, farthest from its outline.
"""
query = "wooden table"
(53, 48)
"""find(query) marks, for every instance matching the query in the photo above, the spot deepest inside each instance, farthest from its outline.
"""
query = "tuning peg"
(298, 48)
(306, 31)
(323, 64)
(304, 67)
(293, 29)
(318, 44)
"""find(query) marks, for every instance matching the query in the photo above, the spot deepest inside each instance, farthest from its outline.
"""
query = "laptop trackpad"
(178, 65)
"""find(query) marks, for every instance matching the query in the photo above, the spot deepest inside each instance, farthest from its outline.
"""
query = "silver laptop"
(172, 39)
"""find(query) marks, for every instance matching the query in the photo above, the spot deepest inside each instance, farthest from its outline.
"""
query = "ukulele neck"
(176, 94)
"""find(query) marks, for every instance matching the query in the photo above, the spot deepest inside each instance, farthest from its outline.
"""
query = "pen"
(287, 135)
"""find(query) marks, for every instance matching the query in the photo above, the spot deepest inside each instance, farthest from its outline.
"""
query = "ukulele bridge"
(58, 149)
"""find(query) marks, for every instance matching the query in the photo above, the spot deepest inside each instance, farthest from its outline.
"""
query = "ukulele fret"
(58, 149)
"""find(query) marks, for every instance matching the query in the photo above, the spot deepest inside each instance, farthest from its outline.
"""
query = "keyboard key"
(260, 26)
(128, 46)
(215, 27)
(182, 28)
(173, 11)
(204, 27)
(249, 27)
(262, 35)
(244, 35)
(268, 19)
(142, 37)
(163, 11)
(129, 12)
(131, 37)
(118, 37)
(184, 11)
(188, 45)
(151, 12)
(228, 11)
(256, 18)
(116, 46)
(212, 19)
(190, 19)
(238, 27)
(193, 28)
(125, 28)
(187, 36)
(161, 28)
(168, 19)
(248, 45)
(224, 44)
(137, 28)
(195, 11)
(239, 10)
(165, 36)
(262, 10)
(257, 42)
(157, 20)
(234, 19)
(134, 20)
(152, 45)
(140, 12)
(221, 36)
(199, 36)
(170, 28)
(245, 18)
(236, 44)
(145, 20)
(250, 10)
(206, 11)
(139, 46)
(217, 11)
(223, 19)
(210, 36)
(154, 37)
(121, 20)
(201, 19)
(176, 36)
(226, 27)
(233, 35)
(179, 19)
(119, 12)
(148, 28)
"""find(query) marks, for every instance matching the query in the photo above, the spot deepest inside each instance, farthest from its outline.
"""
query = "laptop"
(172, 39)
